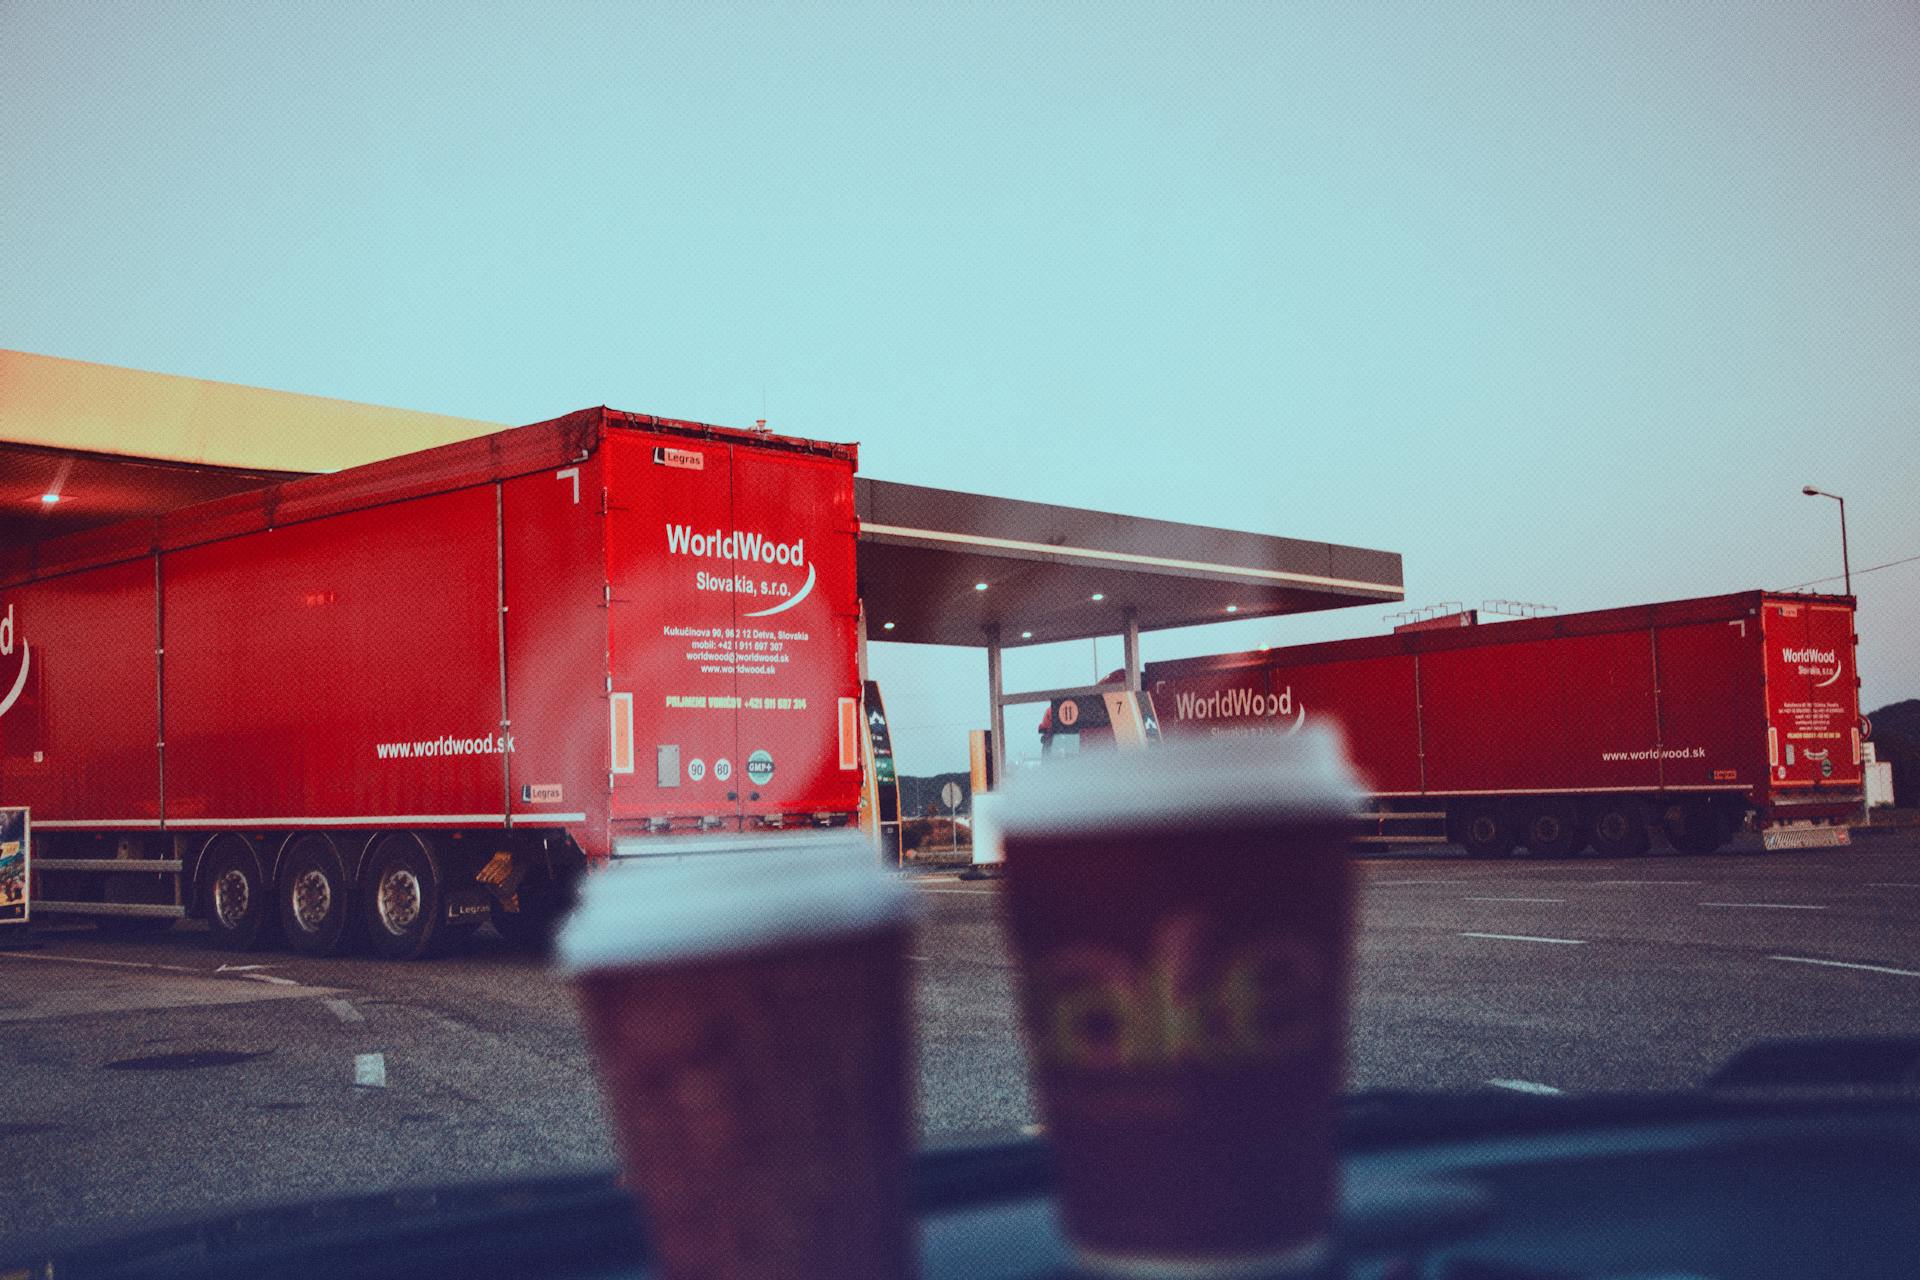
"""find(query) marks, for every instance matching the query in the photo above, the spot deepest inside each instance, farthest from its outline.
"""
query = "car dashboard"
(1702, 1187)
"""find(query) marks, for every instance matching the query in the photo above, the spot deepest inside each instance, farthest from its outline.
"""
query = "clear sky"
(1562, 301)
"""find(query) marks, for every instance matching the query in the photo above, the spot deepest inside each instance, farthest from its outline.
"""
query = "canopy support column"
(999, 720)
(1130, 647)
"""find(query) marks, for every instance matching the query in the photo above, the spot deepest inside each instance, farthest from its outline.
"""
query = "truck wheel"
(402, 899)
(315, 896)
(1697, 828)
(239, 900)
(1487, 831)
(1618, 829)
(1551, 829)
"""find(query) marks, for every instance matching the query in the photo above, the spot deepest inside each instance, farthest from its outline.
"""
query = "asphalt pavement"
(157, 1076)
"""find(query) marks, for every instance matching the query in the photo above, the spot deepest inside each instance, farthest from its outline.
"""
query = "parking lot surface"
(157, 1076)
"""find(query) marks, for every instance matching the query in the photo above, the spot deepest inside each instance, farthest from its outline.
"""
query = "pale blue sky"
(1564, 302)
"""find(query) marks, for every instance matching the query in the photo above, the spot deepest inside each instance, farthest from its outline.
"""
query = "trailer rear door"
(735, 687)
(1813, 700)
(674, 695)
(797, 618)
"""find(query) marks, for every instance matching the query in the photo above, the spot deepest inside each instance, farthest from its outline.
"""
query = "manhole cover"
(186, 1061)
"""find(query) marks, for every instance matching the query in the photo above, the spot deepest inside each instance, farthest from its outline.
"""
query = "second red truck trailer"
(393, 701)
(1562, 733)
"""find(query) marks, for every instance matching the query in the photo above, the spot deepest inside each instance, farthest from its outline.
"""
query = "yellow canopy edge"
(71, 404)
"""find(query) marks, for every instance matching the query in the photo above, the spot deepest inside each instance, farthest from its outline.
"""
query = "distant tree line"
(1896, 740)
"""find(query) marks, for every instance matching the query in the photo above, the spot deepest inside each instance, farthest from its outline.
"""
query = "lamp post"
(1846, 569)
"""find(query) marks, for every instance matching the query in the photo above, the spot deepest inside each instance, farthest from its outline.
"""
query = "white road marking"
(1033, 1130)
(1471, 898)
(1647, 882)
(1770, 906)
(243, 968)
(129, 988)
(1521, 937)
(344, 1010)
(1524, 1086)
(1383, 883)
(370, 1070)
(117, 964)
(1843, 964)
(267, 977)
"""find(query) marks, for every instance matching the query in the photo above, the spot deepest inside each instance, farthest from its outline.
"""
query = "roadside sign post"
(950, 794)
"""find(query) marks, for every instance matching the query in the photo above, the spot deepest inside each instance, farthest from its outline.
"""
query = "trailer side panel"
(79, 733)
(1710, 720)
(555, 588)
(339, 672)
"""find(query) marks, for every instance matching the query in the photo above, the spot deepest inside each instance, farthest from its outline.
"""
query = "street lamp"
(1846, 569)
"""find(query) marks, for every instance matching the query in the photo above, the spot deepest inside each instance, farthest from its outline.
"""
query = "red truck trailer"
(387, 703)
(1562, 733)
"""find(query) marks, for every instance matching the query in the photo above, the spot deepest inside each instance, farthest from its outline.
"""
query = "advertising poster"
(13, 866)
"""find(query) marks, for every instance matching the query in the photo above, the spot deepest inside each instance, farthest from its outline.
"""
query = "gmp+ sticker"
(760, 768)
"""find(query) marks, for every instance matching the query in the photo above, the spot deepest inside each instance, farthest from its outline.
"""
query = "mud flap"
(467, 903)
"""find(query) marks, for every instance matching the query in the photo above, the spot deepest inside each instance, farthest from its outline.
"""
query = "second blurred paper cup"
(747, 1010)
(1183, 919)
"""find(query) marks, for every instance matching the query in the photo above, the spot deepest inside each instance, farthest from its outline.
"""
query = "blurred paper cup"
(1183, 921)
(747, 1011)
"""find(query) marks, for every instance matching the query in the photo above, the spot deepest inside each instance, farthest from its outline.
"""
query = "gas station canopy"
(943, 567)
(86, 444)
(106, 443)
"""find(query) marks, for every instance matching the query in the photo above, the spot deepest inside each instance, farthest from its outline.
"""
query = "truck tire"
(1487, 831)
(1551, 829)
(402, 898)
(315, 897)
(239, 898)
(1697, 828)
(1618, 829)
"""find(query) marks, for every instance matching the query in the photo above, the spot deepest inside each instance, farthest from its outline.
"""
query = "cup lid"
(1303, 775)
(729, 895)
